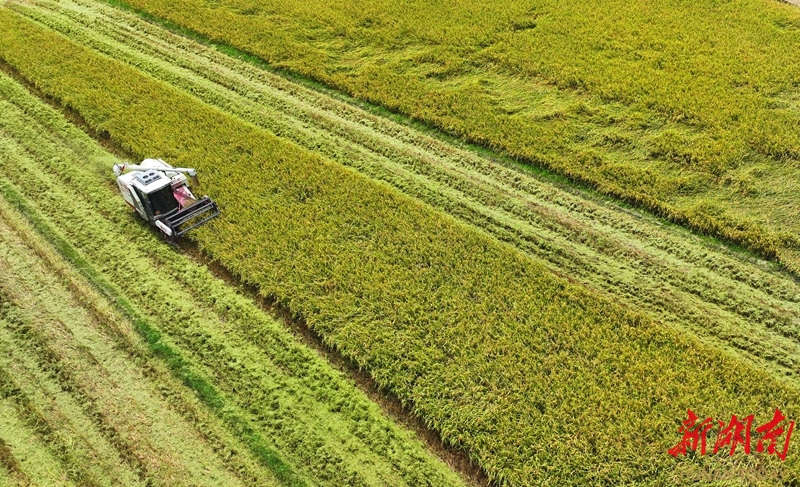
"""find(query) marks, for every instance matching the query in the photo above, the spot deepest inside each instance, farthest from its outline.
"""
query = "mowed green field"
(688, 108)
(124, 363)
(538, 379)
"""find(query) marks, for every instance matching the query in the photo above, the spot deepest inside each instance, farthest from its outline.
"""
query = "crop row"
(677, 278)
(689, 109)
(280, 402)
(538, 379)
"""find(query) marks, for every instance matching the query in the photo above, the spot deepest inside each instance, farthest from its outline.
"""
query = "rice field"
(539, 379)
(125, 363)
(689, 109)
(726, 298)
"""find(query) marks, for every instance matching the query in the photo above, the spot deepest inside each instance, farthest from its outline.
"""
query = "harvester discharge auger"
(160, 195)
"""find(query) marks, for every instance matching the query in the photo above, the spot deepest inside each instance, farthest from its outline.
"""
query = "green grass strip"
(180, 367)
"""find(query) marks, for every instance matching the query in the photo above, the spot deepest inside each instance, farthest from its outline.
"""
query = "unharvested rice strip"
(383, 436)
(473, 102)
(533, 220)
(515, 176)
(91, 38)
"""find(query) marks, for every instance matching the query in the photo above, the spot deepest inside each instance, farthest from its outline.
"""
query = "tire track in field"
(11, 467)
(727, 298)
(10, 464)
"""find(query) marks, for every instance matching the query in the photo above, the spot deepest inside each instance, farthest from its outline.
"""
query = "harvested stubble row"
(688, 108)
(539, 380)
(267, 404)
(84, 410)
(676, 277)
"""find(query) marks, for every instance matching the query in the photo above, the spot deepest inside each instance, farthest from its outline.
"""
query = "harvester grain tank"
(160, 195)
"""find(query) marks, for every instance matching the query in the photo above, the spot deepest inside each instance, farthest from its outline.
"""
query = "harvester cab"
(160, 195)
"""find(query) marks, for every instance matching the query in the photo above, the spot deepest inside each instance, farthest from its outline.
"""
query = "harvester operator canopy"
(156, 189)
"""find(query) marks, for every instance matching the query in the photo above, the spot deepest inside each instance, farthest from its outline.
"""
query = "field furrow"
(271, 391)
(727, 298)
(10, 471)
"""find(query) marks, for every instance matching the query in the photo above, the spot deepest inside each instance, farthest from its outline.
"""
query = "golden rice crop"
(687, 108)
(538, 379)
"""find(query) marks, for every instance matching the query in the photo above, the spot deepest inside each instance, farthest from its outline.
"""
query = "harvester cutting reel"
(160, 195)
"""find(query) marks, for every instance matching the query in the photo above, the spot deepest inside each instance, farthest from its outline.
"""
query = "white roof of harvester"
(149, 181)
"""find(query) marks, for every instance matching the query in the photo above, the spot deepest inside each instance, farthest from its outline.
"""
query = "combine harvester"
(160, 195)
